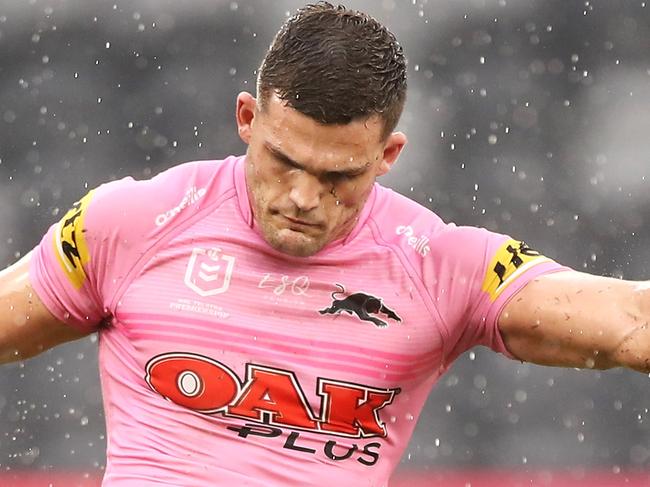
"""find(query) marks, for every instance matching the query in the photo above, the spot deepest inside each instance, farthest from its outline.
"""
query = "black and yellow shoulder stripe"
(511, 259)
(70, 243)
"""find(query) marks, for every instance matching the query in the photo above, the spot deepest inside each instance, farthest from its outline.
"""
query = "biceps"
(26, 325)
(570, 319)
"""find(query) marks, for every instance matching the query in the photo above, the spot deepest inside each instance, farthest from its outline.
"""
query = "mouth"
(301, 223)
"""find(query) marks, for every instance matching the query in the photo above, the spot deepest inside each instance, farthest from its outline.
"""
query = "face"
(307, 182)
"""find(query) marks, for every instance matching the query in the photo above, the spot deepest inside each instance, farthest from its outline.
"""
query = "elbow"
(633, 348)
(633, 352)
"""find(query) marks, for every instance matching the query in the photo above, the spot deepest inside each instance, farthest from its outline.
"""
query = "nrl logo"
(209, 272)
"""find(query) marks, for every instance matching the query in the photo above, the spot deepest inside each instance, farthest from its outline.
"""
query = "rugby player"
(279, 318)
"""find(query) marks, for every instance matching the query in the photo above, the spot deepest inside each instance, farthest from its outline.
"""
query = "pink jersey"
(224, 362)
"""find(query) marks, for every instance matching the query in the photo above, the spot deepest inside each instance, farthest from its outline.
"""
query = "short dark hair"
(335, 65)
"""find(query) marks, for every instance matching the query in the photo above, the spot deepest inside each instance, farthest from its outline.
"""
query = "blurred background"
(526, 117)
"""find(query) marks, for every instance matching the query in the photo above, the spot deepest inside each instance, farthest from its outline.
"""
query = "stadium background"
(526, 117)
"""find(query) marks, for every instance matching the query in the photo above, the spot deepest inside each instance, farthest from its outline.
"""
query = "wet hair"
(335, 65)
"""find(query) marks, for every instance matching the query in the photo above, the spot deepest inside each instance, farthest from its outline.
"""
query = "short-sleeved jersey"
(225, 362)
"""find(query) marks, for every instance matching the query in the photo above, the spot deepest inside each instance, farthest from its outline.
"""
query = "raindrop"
(520, 396)
(9, 116)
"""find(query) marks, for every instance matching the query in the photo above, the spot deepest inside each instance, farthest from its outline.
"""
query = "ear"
(392, 149)
(245, 114)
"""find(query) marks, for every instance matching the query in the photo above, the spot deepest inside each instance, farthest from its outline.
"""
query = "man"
(279, 318)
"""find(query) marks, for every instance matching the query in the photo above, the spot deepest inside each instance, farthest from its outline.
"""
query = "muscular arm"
(575, 319)
(26, 326)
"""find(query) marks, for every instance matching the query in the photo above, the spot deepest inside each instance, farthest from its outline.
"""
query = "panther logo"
(361, 304)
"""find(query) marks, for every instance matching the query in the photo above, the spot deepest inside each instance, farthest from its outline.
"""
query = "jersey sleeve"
(86, 259)
(68, 265)
(479, 273)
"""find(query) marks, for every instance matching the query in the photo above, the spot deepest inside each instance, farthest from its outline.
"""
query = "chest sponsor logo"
(419, 244)
(209, 271)
(191, 196)
(70, 243)
(511, 259)
(363, 305)
(268, 395)
(271, 399)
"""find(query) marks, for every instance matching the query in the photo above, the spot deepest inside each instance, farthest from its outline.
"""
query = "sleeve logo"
(509, 262)
(70, 243)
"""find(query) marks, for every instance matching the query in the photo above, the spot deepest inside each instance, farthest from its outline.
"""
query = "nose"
(305, 191)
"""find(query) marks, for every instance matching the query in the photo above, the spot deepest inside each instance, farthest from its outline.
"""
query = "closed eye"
(342, 175)
(329, 175)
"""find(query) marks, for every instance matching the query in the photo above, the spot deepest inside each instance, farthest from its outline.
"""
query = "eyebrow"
(277, 153)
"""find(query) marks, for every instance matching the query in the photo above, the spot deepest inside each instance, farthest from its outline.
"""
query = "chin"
(294, 243)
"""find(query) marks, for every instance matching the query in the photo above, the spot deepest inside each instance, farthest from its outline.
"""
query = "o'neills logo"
(191, 196)
(420, 244)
